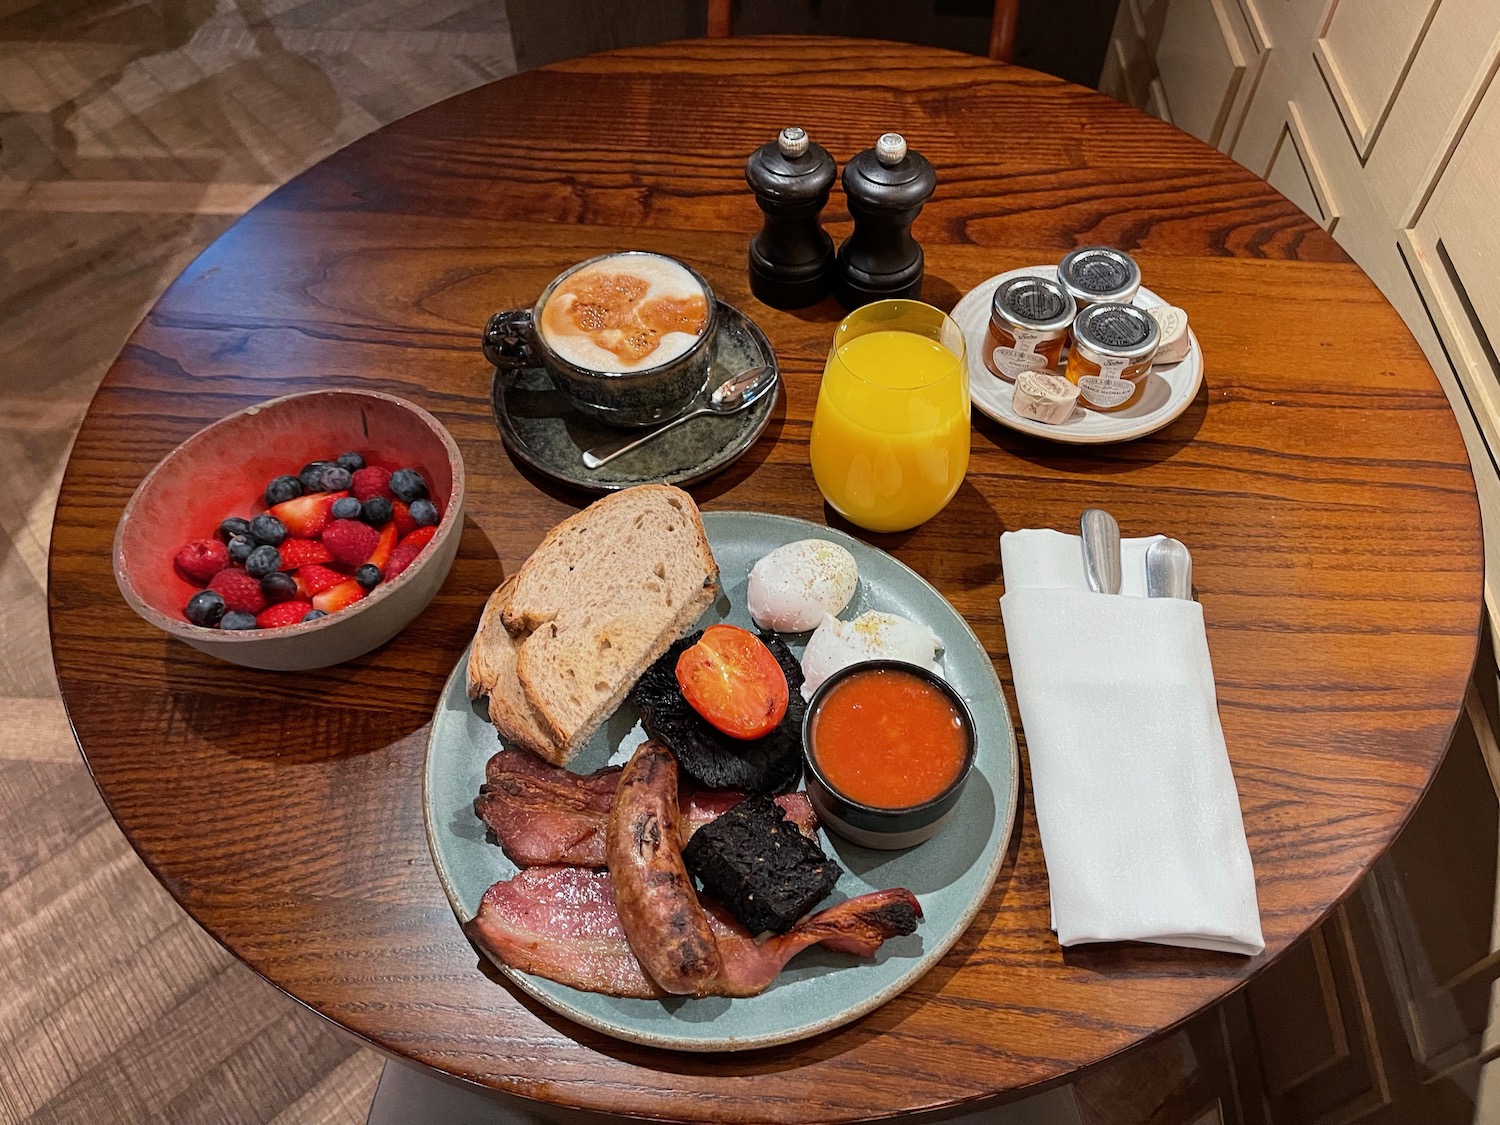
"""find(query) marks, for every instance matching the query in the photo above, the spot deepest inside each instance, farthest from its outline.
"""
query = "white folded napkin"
(1135, 801)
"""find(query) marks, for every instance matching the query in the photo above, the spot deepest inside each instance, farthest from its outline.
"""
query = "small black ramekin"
(868, 825)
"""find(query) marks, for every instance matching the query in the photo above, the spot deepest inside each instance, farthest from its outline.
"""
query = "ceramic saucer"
(545, 432)
(1170, 388)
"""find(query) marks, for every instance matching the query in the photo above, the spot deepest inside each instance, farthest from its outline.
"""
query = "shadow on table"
(1108, 458)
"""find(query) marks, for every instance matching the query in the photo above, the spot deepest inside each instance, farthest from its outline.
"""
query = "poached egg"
(870, 636)
(796, 585)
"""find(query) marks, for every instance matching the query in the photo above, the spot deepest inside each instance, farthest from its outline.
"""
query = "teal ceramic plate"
(545, 432)
(951, 874)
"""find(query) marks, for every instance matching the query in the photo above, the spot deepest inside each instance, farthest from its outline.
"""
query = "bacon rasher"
(560, 923)
(542, 814)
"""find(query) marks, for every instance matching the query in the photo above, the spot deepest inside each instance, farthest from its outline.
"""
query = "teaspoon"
(729, 397)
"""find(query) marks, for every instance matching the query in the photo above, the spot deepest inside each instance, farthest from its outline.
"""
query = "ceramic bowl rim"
(187, 631)
(934, 805)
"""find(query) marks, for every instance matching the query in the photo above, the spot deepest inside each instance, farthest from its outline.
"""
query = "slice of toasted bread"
(492, 672)
(600, 599)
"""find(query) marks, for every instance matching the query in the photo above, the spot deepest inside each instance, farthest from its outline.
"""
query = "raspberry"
(315, 579)
(350, 541)
(241, 593)
(283, 613)
(201, 559)
(370, 481)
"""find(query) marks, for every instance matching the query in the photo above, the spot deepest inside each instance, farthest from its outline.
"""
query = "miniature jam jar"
(1029, 320)
(1098, 274)
(1111, 355)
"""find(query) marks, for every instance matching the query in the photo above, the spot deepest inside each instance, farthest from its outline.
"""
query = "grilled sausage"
(667, 928)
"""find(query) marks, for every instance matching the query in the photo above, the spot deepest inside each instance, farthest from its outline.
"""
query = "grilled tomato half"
(733, 681)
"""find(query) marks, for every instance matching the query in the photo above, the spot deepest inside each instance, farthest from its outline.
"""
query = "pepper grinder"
(886, 187)
(791, 259)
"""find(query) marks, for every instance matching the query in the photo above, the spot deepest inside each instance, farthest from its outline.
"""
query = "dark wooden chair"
(1002, 25)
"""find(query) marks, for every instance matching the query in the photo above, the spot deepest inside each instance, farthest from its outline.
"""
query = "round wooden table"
(1319, 479)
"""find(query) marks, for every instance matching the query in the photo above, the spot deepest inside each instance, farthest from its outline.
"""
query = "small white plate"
(1170, 387)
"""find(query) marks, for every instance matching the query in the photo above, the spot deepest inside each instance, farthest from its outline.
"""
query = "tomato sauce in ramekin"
(887, 738)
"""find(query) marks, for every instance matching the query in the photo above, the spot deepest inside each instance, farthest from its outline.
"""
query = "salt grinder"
(791, 259)
(886, 187)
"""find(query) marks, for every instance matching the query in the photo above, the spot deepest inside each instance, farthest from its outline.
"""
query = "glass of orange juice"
(890, 435)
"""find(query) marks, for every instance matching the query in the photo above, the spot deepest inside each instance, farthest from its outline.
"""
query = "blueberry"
(376, 510)
(263, 560)
(278, 587)
(240, 547)
(233, 526)
(335, 479)
(408, 485)
(282, 489)
(313, 615)
(346, 508)
(205, 608)
(351, 461)
(311, 475)
(234, 619)
(268, 530)
(424, 513)
(368, 576)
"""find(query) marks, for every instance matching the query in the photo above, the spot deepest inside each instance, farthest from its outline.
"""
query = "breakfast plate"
(951, 874)
(1170, 387)
(544, 432)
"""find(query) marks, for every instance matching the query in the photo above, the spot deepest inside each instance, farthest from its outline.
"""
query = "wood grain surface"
(1319, 479)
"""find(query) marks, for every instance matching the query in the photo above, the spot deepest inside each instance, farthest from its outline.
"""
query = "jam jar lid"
(1116, 331)
(1037, 303)
(1099, 273)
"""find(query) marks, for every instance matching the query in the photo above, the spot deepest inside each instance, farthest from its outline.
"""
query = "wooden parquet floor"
(131, 134)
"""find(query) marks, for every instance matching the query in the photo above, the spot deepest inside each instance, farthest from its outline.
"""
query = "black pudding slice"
(755, 861)
(772, 764)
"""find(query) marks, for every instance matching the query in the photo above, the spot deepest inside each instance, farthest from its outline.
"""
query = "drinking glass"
(890, 435)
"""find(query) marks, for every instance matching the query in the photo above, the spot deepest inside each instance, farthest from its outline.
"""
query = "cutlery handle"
(1101, 551)
(604, 454)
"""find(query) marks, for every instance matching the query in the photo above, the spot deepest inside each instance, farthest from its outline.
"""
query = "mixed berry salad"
(329, 535)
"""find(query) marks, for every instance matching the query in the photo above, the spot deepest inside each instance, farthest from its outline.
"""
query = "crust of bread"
(492, 672)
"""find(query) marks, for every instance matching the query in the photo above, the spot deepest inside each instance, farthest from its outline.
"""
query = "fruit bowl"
(223, 470)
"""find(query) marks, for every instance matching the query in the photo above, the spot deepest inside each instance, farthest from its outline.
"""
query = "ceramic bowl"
(869, 825)
(222, 471)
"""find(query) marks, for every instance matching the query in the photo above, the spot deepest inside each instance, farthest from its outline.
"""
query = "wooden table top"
(1319, 479)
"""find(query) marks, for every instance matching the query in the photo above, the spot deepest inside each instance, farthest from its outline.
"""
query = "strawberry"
(382, 552)
(338, 597)
(307, 516)
(241, 593)
(314, 579)
(350, 541)
(370, 481)
(301, 552)
(421, 537)
(401, 513)
(283, 613)
(407, 551)
(201, 559)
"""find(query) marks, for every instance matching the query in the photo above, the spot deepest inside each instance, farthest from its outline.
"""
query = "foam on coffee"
(625, 313)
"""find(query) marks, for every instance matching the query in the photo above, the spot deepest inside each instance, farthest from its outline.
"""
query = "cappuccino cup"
(626, 338)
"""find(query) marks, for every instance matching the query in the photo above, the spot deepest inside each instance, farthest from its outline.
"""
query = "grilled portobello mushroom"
(772, 764)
